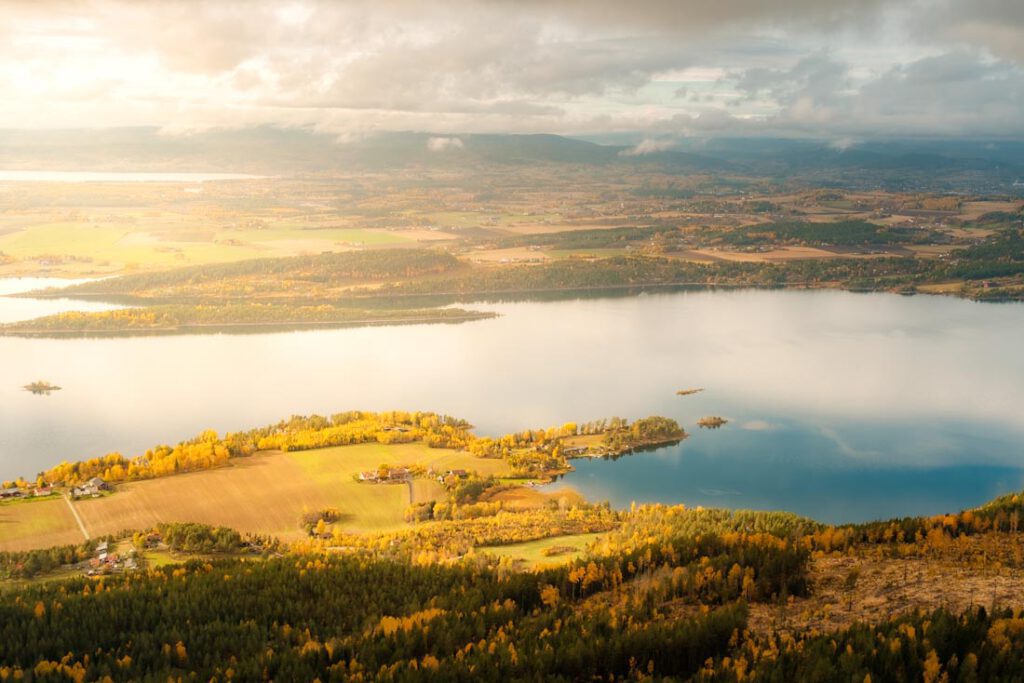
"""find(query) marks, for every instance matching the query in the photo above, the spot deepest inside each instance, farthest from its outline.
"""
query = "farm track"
(78, 518)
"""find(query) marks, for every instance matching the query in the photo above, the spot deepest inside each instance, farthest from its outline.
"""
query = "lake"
(14, 309)
(841, 406)
(16, 176)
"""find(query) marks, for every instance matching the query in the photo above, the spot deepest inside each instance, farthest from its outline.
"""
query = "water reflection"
(116, 177)
(16, 309)
(914, 400)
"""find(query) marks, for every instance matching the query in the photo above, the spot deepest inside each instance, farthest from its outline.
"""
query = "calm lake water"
(116, 177)
(14, 309)
(842, 406)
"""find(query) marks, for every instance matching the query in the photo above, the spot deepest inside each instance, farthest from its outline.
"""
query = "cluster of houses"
(93, 487)
(402, 474)
(36, 492)
(107, 562)
(383, 476)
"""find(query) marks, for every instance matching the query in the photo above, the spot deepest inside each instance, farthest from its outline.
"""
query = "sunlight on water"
(841, 406)
(117, 177)
(17, 309)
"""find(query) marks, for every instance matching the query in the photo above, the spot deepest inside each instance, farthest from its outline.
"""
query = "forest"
(839, 233)
(659, 592)
(359, 617)
(667, 594)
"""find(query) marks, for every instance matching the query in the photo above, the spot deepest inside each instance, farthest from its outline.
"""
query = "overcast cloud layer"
(841, 69)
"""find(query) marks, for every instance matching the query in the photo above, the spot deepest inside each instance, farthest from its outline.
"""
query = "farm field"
(99, 249)
(37, 523)
(506, 255)
(529, 498)
(774, 255)
(532, 554)
(265, 494)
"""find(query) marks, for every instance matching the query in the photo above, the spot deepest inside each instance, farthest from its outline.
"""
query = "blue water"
(842, 406)
(802, 468)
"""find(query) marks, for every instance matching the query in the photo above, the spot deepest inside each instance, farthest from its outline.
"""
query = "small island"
(41, 387)
(689, 392)
(711, 422)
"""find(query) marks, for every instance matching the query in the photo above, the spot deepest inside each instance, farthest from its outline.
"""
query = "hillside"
(392, 562)
(268, 150)
(663, 594)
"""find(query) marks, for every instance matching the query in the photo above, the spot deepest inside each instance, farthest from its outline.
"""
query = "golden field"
(267, 493)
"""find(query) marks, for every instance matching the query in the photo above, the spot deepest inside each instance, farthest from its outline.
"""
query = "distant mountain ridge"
(277, 151)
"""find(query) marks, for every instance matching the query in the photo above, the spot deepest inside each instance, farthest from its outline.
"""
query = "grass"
(532, 554)
(115, 247)
(37, 525)
(161, 557)
(126, 247)
(559, 254)
(469, 219)
(27, 500)
(587, 440)
(14, 585)
(529, 498)
(286, 231)
(426, 490)
(266, 494)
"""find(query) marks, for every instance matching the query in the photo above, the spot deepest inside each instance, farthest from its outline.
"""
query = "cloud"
(995, 25)
(438, 144)
(836, 68)
(842, 144)
(647, 146)
(957, 93)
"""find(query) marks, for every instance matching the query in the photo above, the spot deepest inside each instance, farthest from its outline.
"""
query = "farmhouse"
(90, 488)
(450, 474)
(368, 476)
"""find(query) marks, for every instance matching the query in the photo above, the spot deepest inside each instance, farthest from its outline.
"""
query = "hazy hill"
(275, 150)
(938, 165)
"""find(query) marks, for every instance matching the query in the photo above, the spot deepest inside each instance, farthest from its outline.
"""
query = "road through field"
(81, 525)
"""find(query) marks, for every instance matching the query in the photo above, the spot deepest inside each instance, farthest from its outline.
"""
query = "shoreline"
(473, 296)
(241, 328)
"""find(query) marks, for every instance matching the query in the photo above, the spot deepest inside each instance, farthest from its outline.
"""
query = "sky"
(843, 70)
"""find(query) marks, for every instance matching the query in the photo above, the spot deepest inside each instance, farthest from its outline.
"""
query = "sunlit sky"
(839, 69)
